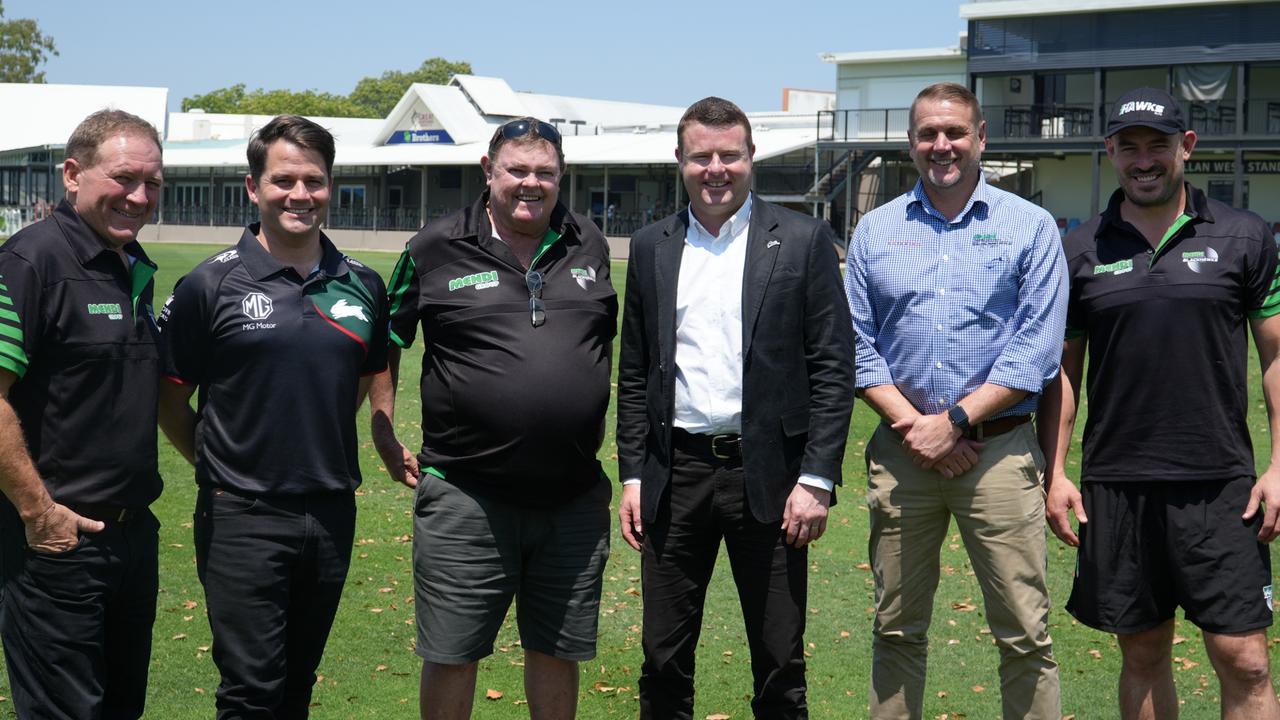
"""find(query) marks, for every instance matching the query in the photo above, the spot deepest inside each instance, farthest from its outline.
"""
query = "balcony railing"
(1209, 119)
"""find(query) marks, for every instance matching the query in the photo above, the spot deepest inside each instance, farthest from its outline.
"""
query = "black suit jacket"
(797, 357)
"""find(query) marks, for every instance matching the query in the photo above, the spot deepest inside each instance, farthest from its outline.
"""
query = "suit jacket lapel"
(762, 255)
(667, 253)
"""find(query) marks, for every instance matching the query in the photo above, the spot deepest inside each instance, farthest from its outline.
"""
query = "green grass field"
(370, 670)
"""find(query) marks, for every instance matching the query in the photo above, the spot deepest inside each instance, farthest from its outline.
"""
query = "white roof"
(37, 114)
(490, 95)
(1019, 8)
(199, 126)
(447, 103)
(880, 56)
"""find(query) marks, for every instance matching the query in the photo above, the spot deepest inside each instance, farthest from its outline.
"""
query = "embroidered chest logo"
(480, 281)
(343, 309)
(1119, 267)
(989, 240)
(111, 310)
(1197, 260)
(584, 276)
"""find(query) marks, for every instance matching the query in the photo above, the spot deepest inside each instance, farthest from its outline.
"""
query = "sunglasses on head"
(522, 127)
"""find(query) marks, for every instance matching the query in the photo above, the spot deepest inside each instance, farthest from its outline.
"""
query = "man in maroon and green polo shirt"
(280, 334)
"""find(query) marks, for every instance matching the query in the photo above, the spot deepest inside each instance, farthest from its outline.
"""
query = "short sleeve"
(185, 343)
(21, 320)
(402, 301)
(1263, 278)
(376, 359)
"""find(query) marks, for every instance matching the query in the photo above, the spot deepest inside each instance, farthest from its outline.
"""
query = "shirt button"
(938, 365)
(942, 400)
(939, 327)
(946, 258)
(942, 291)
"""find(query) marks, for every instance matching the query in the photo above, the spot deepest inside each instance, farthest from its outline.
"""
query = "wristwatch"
(959, 418)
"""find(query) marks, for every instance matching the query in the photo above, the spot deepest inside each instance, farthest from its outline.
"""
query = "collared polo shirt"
(277, 359)
(508, 409)
(77, 328)
(1165, 327)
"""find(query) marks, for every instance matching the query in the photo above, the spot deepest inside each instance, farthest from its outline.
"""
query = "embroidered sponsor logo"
(583, 276)
(902, 242)
(225, 256)
(479, 281)
(256, 306)
(342, 309)
(1119, 267)
(352, 261)
(1266, 595)
(1196, 260)
(1142, 106)
(989, 239)
(111, 310)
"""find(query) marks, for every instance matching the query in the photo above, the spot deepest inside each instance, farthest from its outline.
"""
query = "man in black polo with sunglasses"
(518, 317)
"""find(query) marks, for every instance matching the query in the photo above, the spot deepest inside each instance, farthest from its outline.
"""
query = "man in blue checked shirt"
(958, 295)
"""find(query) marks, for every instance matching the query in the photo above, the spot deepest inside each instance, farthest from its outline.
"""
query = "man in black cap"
(1171, 514)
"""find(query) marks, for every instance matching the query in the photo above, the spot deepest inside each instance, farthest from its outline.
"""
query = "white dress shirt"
(708, 397)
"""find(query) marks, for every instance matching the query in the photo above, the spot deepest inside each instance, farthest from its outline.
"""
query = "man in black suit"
(735, 384)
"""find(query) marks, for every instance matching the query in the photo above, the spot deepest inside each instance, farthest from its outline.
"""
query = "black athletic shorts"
(1151, 546)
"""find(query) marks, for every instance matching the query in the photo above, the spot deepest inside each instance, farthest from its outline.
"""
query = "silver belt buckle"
(716, 445)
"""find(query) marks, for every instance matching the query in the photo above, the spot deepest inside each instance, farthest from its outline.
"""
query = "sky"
(662, 51)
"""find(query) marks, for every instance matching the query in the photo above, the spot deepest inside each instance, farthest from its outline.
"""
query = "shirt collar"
(980, 195)
(84, 240)
(262, 264)
(1197, 207)
(735, 226)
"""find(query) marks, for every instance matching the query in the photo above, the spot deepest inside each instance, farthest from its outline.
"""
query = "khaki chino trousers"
(999, 508)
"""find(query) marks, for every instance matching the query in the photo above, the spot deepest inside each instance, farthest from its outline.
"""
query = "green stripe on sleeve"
(397, 339)
(401, 280)
(12, 332)
(10, 315)
(14, 352)
(13, 366)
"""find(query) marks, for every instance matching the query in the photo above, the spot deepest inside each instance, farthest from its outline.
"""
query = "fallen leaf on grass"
(1186, 663)
(492, 694)
(718, 716)
(179, 636)
(978, 688)
(1178, 639)
(965, 606)
(1097, 655)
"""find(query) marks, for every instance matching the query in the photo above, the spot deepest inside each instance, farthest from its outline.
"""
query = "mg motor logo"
(256, 306)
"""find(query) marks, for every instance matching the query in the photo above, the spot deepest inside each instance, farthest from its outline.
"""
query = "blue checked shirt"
(941, 307)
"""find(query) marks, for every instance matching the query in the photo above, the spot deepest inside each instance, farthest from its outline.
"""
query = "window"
(395, 196)
(1223, 190)
(234, 195)
(351, 196)
(191, 195)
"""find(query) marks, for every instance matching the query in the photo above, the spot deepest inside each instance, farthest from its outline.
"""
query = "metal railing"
(870, 125)
(1215, 118)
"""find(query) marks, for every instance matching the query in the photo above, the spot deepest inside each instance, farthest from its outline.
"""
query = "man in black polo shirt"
(1171, 515)
(280, 333)
(518, 316)
(78, 374)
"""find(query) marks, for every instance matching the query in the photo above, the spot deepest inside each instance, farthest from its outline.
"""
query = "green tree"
(23, 49)
(373, 97)
(380, 94)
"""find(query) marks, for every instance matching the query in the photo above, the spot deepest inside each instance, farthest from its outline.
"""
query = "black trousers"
(707, 502)
(273, 569)
(77, 625)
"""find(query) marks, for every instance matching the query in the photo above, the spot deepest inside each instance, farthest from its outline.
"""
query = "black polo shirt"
(277, 359)
(511, 410)
(1167, 340)
(77, 328)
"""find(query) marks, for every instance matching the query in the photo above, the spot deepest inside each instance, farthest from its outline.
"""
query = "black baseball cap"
(1149, 107)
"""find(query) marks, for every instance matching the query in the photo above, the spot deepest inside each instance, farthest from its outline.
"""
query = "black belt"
(999, 426)
(104, 513)
(726, 447)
